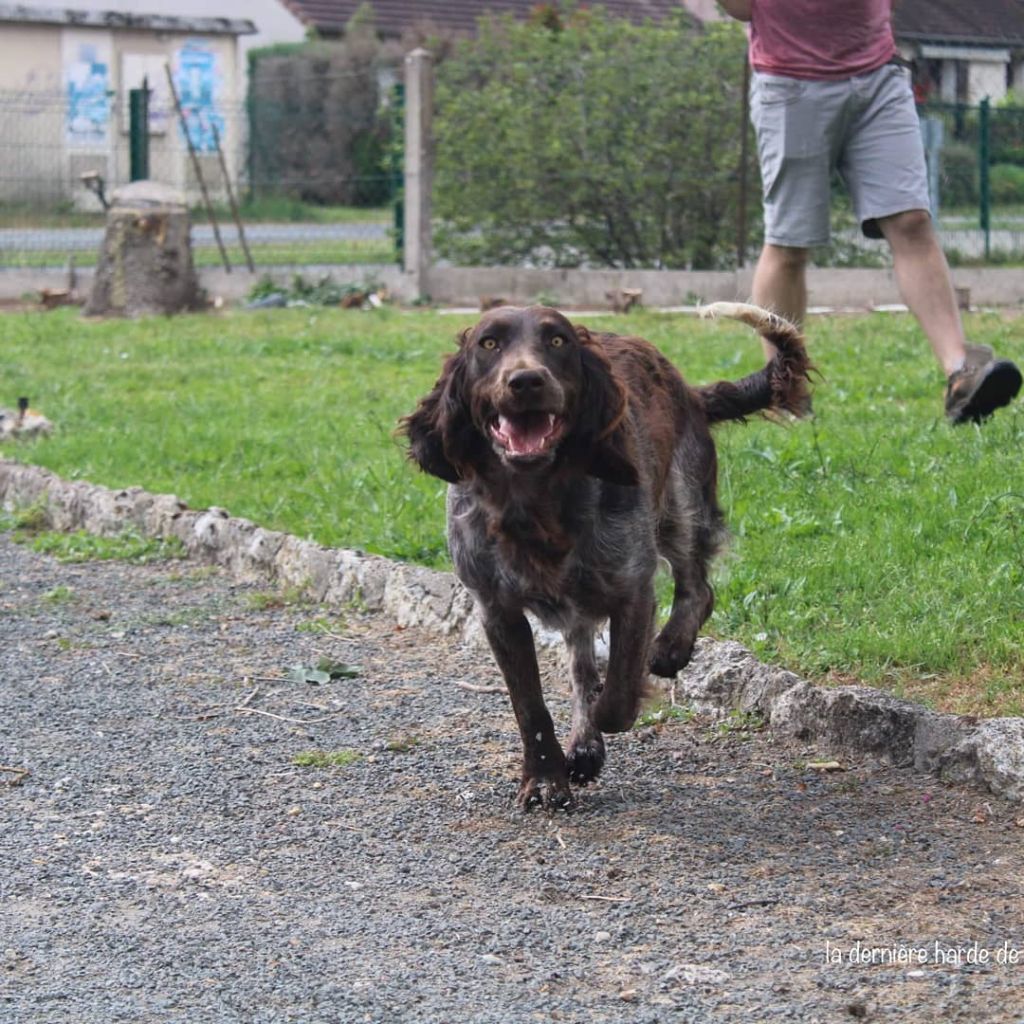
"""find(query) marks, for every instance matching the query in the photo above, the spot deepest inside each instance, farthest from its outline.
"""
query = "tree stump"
(145, 265)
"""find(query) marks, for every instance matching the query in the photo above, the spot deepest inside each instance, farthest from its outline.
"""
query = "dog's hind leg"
(692, 603)
(688, 538)
(584, 753)
(625, 686)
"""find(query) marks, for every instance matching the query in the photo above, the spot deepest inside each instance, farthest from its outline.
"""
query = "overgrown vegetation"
(584, 139)
(874, 543)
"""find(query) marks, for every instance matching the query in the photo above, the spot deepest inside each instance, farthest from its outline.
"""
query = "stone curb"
(857, 720)
(722, 677)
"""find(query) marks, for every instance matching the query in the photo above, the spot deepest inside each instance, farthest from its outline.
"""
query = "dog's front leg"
(544, 778)
(584, 753)
(630, 628)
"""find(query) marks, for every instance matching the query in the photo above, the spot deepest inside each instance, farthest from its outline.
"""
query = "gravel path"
(167, 860)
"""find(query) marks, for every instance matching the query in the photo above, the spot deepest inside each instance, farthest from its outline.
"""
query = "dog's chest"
(563, 562)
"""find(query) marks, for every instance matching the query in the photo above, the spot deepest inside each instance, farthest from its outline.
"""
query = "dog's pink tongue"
(525, 434)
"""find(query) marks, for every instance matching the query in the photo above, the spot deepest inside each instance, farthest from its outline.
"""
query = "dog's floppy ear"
(440, 431)
(601, 423)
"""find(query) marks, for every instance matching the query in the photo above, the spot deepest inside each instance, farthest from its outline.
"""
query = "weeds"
(265, 600)
(661, 714)
(738, 724)
(326, 758)
(86, 547)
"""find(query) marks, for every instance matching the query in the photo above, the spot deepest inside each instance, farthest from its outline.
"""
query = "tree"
(588, 140)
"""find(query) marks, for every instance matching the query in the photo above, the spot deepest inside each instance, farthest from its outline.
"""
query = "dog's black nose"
(525, 381)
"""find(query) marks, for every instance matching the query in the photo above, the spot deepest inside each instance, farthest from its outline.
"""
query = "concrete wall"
(30, 120)
(855, 290)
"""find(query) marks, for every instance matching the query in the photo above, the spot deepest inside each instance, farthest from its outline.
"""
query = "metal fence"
(976, 160)
(307, 200)
(56, 170)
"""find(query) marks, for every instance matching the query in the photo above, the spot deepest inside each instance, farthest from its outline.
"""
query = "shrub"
(317, 131)
(1006, 184)
(588, 140)
(1007, 130)
(958, 178)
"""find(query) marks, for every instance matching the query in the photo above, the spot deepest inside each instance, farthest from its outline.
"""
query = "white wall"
(985, 78)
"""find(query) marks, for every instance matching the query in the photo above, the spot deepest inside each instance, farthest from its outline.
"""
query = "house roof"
(978, 23)
(393, 16)
(120, 19)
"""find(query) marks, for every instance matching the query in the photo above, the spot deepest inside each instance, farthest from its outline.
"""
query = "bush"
(317, 131)
(1006, 184)
(1007, 130)
(958, 178)
(588, 140)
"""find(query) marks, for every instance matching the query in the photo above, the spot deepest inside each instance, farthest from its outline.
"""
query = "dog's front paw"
(546, 792)
(669, 656)
(584, 758)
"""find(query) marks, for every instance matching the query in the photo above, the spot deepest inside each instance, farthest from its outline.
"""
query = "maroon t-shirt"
(820, 39)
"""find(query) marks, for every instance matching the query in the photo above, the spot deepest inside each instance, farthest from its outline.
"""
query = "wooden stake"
(197, 169)
(231, 200)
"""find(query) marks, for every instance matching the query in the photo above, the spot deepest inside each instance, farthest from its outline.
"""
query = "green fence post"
(984, 189)
(398, 171)
(138, 132)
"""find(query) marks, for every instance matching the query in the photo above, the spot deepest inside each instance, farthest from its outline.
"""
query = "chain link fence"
(976, 164)
(59, 164)
(315, 187)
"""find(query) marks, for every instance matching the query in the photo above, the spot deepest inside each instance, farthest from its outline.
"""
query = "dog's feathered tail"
(780, 385)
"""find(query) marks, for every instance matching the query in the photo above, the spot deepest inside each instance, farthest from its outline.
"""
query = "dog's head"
(526, 390)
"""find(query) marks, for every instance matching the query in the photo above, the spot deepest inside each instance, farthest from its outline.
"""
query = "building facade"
(65, 78)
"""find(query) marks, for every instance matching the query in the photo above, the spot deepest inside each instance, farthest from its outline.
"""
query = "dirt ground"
(190, 833)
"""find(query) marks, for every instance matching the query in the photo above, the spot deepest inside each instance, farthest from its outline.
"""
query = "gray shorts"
(864, 127)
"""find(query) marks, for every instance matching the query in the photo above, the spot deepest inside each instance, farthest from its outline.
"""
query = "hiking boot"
(982, 385)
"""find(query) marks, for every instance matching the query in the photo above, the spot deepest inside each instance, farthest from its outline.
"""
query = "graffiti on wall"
(198, 80)
(87, 95)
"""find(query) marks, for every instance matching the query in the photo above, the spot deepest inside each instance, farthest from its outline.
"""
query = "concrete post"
(419, 112)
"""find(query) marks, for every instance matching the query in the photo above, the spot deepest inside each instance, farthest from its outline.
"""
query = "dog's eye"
(557, 341)
(488, 343)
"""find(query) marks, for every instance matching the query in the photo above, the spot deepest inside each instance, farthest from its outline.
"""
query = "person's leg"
(922, 276)
(884, 167)
(798, 126)
(977, 382)
(780, 281)
(780, 284)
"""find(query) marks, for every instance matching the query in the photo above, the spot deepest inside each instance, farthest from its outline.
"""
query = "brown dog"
(575, 460)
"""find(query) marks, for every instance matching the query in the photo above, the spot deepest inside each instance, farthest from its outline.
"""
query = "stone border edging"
(413, 595)
(723, 676)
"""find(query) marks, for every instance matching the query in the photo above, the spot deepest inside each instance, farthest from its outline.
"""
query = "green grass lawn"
(872, 543)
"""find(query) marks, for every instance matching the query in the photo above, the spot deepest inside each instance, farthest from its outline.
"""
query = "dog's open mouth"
(527, 434)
